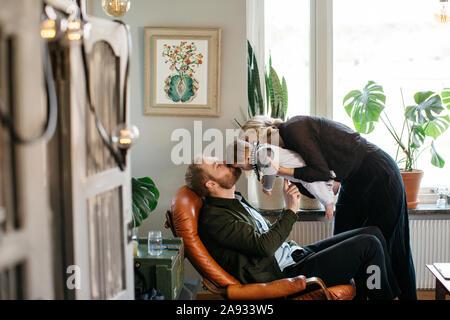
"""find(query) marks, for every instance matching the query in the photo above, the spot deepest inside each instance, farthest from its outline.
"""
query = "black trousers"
(357, 254)
(375, 196)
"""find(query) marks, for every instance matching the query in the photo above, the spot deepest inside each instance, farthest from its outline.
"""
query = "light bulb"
(125, 135)
(116, 8)
(48, 29)
(442, 14)
(74, 31)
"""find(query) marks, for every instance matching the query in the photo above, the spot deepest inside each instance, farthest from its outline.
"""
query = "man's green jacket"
(232, 238)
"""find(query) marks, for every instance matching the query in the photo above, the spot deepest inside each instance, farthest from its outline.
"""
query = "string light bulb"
(48, 29)
(442, 16)
(116, 8)
(74, 31)
(48, 24)
(125, 135)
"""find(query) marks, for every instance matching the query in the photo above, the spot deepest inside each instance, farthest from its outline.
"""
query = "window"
(399, 45)
(327, 48)
(287, 41)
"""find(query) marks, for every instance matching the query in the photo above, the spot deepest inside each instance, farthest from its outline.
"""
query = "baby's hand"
(329, 211)
(267, 192)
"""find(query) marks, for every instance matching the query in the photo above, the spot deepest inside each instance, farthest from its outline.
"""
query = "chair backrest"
(183, 220)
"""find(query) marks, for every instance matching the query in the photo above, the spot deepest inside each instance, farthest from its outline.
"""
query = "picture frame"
(182, 71)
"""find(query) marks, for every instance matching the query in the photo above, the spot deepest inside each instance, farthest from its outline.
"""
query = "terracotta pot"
(411, 180)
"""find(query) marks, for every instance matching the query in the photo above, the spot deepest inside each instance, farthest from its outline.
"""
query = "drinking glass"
(154, 243)
(442, 200)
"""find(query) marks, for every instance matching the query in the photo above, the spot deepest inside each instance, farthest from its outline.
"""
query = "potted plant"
(423, 121)
(145, 197)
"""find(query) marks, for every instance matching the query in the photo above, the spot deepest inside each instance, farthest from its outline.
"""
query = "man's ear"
(210, 184)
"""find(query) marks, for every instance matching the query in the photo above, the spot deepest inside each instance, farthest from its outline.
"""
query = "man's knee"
(375, 231)
(371, 244)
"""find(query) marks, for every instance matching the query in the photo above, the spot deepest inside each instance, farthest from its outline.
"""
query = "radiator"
(430, 242)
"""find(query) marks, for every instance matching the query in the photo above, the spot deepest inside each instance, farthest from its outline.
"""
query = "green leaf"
(446, 97)
(436, 159)
(145, 197)
(136, 215)
(365, 107)
(417, 137)
(276, 90)
(428, 106)
(437, 127)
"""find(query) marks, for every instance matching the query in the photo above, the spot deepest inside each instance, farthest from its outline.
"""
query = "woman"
(371, 186)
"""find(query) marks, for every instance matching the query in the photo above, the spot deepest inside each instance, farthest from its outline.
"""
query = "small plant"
(254, 90)
(422, 120)
(145, 198)
(277, 94)
(276, 90)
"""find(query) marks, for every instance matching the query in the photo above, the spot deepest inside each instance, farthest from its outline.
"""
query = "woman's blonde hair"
(261, 126)
(258, 122)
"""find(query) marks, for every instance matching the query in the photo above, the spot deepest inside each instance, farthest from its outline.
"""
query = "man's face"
(226, 176)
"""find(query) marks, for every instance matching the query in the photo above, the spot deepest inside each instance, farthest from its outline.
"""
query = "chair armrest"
(270, 290)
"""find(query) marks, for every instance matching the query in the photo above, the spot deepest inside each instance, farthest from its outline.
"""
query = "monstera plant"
(145, 198)
(423, 123)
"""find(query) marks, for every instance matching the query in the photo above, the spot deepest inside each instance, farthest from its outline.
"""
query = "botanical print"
(182, 71)
(183, 59)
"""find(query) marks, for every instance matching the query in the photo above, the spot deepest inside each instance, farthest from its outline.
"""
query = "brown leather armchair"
(182, 219)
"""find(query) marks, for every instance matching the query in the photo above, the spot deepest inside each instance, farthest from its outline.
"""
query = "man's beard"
(229, 181)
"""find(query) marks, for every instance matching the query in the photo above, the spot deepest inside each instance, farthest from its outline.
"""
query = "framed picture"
(182, 71)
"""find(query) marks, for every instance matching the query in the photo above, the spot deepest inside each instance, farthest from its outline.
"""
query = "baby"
(265, 158)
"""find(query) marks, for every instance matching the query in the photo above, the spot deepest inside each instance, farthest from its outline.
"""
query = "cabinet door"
(25, 250)
(91, 191)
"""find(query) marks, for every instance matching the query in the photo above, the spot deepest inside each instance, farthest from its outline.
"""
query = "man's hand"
(291, 196)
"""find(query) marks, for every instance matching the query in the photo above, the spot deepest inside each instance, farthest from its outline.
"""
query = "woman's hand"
(336, 186)
(329, 211)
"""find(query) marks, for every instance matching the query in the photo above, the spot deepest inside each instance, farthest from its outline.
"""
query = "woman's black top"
(324, 145)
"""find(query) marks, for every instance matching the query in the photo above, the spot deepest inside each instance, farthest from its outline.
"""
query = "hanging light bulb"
(442, 15)
(116, 8)
(48, 29)
(48, 24)
(125, 135)
(74, 31)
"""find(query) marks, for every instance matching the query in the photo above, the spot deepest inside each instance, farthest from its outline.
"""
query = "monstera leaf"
(436, 159)
(428, 107)
(145, 198)
(365, 107)
(446, 97)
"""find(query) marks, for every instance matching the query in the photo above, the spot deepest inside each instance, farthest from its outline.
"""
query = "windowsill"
(426, 211)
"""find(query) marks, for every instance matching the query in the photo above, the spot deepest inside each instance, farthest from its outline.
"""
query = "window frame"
(321, 67)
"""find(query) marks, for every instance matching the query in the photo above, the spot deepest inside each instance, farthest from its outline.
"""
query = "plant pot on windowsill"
(411, 180)
(258, 199)
(307, 203)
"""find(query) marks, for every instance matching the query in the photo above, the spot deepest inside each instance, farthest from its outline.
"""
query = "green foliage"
(422, 120)
(365, 107)
(277, 94)
(276, 90)
(254, 92)
(145, 196)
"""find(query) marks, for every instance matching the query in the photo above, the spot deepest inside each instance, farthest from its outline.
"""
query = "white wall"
(151, 155)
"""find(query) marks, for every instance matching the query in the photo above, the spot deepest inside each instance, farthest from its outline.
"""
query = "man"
(245, 244)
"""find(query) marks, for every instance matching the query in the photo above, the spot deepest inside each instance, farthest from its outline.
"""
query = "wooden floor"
(421, 295)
